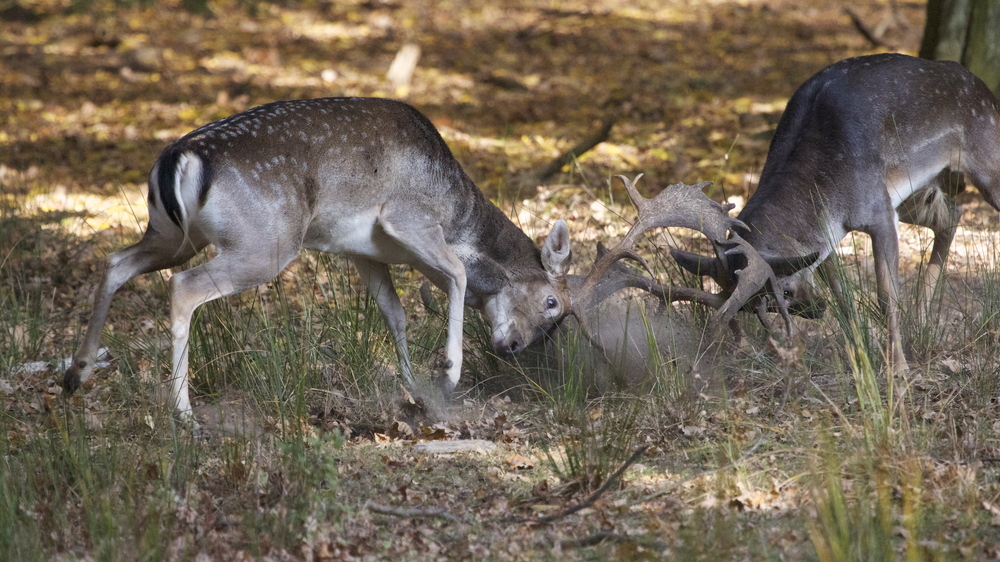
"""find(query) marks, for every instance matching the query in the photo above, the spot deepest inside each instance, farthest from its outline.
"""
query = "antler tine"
(633, 193)
(619, 277)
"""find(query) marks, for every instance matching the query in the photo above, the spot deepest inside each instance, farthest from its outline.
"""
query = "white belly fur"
(358, 234)
(921, 165)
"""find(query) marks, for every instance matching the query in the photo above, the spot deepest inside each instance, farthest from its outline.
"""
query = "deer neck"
(783, 223)
(493, 249)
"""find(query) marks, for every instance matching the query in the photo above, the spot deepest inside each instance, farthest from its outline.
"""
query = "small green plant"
(860, 319)
(354, 335)
(920, 317)
(876, 411)
(23, 323)
(279, 344)
(75, 481)
(865, 506)
(850, 528)
(489, 373)
(563, 378)
(987, 322)
(596, 442)
(302, 480)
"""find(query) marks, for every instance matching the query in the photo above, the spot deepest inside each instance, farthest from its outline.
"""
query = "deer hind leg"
(229, 273)
(379, 283)
(432, 257)
(943, 236)
(152, 253)
(933, 207)
(885, 249)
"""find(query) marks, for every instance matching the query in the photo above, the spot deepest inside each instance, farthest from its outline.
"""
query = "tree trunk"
(966, 31)
(982, 49)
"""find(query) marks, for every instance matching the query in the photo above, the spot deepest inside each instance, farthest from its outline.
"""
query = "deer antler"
(751, 279)
(615, 276)
(685, 206)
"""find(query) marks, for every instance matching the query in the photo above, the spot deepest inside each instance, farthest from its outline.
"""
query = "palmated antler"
(750, 280)
(684, 206)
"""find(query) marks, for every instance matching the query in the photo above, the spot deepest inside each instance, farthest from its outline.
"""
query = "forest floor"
(312, 450)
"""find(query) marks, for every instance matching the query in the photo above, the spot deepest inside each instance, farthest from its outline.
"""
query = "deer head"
(794, 280)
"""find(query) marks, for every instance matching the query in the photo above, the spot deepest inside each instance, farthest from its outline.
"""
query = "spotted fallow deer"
(369, 178)
(862, 144)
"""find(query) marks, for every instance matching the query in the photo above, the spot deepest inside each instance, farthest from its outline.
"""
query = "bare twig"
(554, 189)
(411, 512)
(402, 67)
(599, 136)
(600, 491)
(863, 29)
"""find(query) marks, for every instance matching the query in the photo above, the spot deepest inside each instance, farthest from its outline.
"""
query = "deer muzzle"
(812, 310)
(508, 343)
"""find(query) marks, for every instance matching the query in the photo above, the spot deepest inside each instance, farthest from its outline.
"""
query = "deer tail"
(178, 186)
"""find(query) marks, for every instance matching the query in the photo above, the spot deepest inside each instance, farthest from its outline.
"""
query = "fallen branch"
(600, 491)
(550, 169)
(402, 67)
(411, 512)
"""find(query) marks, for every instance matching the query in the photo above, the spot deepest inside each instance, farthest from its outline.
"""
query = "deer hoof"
(196, 431)
(71, 380)
(187, 422)
(447, 388)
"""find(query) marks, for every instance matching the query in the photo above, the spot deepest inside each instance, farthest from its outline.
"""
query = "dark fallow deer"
(862, 144)
(369, 178)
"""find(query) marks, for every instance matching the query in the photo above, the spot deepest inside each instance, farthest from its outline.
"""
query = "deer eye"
(787, 294)
(551, 302)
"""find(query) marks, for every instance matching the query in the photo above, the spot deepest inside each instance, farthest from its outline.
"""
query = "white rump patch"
(188, 179)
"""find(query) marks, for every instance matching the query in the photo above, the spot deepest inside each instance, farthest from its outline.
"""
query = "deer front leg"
(885, 248)
(456, 321)
(437, 262)
(379, 283)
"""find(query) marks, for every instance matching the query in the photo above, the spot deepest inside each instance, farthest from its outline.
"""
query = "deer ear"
(697, 263)
(784, 267)
(556, 252)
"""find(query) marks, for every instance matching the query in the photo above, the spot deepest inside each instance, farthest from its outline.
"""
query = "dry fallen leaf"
(516, 461)
(691, 430)
(433, 433)
(400, 430)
